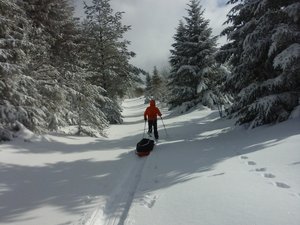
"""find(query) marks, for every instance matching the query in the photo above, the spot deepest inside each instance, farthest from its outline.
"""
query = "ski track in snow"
(117, 206)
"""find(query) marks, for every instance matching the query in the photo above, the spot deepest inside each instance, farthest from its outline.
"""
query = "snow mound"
(25, 134)
(296, 113)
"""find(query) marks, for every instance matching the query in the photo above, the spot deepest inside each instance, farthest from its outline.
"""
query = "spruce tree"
(264, 53)
(193, 67)
(107, 55)
(148, 88)
(45, 18)
(177, 55)
(41, 71)
(69, 98)
(165, 73)
(157, 85)
(17, 90)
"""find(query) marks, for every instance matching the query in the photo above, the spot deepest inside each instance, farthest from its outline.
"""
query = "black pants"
(153, 123)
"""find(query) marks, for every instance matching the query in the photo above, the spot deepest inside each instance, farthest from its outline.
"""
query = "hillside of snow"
(204, 170)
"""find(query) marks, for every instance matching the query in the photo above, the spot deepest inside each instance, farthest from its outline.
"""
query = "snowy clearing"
(206, 172)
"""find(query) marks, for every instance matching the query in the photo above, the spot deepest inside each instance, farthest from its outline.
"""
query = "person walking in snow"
(151, 114)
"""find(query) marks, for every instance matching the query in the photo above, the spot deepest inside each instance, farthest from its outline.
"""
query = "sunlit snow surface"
(203, 170)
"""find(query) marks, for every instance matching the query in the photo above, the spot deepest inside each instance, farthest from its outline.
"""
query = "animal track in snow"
(269, 175)
(261, 169)
(251, 163)
(281, 185)
(266, 175)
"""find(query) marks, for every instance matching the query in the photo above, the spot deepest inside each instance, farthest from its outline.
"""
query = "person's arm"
(158, 112)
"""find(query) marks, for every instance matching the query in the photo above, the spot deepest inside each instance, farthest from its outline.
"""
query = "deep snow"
(207, 171)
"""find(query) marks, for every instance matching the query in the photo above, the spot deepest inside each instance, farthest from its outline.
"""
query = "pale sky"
(153, 25)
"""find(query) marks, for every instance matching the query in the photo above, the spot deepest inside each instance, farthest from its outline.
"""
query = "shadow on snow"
(193, 147)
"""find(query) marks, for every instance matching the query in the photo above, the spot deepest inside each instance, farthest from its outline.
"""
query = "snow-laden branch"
(287, 56)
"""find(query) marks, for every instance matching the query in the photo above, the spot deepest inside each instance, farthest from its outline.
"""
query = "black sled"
(144, 147)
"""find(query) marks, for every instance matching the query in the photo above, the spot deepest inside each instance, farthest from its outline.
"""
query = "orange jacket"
(152, 111)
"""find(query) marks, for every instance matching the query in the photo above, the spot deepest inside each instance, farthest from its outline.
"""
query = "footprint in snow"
(266, 175)
(281, 185)
(269, 175)
(251, 163)
(261, 169)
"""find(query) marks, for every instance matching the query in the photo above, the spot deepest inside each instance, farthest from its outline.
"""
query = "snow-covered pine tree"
(17, 90)
(177, 56)
(107, 54)
(87, 98)
(83, 101)
(157, 85)
(264, 52)
(135, 88)
(87, 102)
(148, 88)
(193, 67)
(41, 74)
(46, 18)
(66, 97)
(165, 73)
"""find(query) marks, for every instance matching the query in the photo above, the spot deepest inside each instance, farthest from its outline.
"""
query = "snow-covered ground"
(207, 172)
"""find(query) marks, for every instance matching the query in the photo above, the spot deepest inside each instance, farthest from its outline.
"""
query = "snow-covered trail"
(205, 166)
(58, 179)
(210, 172)
(206, 172)
(116, 208)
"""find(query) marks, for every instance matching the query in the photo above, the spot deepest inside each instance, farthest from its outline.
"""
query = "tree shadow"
(80, 144)
(67, 185)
